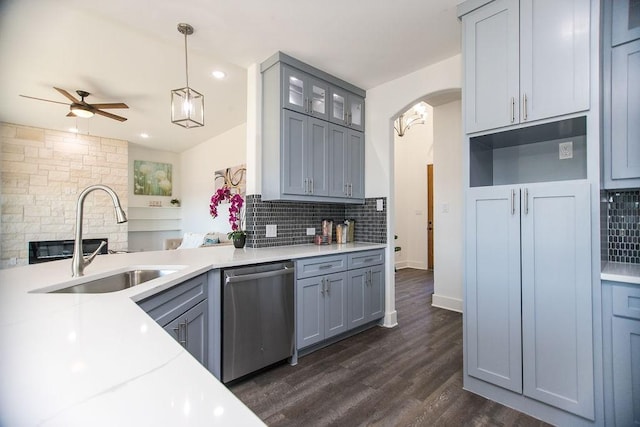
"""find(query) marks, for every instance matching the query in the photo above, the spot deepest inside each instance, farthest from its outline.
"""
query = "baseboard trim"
(390, 319)
(411, 264)
(448, 303)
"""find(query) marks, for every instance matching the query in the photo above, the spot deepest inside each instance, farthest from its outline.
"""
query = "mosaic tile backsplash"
(623, 226)
(293, 219)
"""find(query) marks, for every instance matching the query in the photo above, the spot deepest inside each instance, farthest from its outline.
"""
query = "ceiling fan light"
(81, 111)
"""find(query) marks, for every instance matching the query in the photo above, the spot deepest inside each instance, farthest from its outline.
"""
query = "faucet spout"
(79, 261)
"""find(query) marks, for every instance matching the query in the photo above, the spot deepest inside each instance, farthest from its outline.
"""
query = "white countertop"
(619, 272)
(98, 359)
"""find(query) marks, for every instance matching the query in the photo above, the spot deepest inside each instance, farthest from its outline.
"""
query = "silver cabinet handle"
(513, 202)
(324, 267)
(524, 106)
(513, 109)
(350, 190)
(328, 282)
(526, 201)
(186, 332)
(323, 286)
(346, 189)
(311, 185)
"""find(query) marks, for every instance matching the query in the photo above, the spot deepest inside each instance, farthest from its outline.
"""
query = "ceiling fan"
(81, 108)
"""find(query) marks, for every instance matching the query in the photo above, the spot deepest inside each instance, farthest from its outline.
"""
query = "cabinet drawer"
(320, 265)
(366, 258)
(626, 301)
(166, 306)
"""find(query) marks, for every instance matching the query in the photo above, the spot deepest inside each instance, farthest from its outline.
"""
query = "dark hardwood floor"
(410, 375)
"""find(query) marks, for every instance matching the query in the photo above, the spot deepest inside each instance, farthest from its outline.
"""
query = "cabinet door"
(625, 111)
(626, 21)
(626, 371)
(375, 306)
(310, 312)
(318, 95)
(338, 136)
(356, 112)
(493, 300)
(294, 89)
(358, 289)
(318, 172)
(557, 33)
(557, 336)
(491, 64)
(294, 153)
(190, 330)
(335, 296)
(339, 108)
(354, 166)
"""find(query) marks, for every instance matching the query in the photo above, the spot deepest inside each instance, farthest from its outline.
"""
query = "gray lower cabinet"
(336, 293)
(528, 292)
(321, 308)
(183, 312)
(622, 347)
(190, 330)
(366, 295)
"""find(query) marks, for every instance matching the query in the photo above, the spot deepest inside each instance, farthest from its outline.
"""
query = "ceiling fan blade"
(67, 95)
(42, 99)
(110, 105)
(111, 116)
(70, 114)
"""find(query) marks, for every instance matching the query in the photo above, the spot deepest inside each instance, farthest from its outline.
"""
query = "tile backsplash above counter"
(621, 226)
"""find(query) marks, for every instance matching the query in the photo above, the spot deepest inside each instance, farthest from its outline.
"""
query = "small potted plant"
(223, 194)
(175, 202)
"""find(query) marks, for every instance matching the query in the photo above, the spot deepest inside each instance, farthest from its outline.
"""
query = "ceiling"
(130, 51)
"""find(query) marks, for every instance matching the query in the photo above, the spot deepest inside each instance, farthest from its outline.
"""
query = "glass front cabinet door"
(347, 109)
(305, 94)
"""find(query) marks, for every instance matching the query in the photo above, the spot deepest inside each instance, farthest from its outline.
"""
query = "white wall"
(448, 206)
(198, 166)
(412, 153)
(384, 103)
(138, 152)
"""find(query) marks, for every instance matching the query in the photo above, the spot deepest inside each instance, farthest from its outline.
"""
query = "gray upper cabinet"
(626, 21)
(508, 46)
(300, 161)
(304, 93)
(305, 155)
(346, 176)
(347, 108)
(621, 94)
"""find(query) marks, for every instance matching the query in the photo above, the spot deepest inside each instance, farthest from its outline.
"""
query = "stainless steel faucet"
(79, 262)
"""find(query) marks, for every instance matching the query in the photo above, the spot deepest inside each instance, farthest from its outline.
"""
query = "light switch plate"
(379, 205)
(311, 231)
(272, 230)
(565, 150)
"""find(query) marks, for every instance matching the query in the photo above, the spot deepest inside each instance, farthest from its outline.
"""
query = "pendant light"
(187, 105)
(416, 115)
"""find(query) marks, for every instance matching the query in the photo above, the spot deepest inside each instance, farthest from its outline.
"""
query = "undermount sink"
(115, 282)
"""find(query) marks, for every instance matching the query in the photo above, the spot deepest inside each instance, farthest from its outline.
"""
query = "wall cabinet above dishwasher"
(312, 139)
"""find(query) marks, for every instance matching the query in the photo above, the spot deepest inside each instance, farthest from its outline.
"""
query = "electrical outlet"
(379, 205)
(272, 230)
(311, 231)
(565, 150)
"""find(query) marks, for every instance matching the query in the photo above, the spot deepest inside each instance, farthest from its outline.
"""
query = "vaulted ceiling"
(130, 51)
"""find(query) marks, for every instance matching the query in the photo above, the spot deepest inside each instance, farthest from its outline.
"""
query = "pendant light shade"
(187, 104)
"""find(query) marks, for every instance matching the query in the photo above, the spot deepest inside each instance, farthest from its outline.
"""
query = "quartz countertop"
(98, 359)
(620, 272)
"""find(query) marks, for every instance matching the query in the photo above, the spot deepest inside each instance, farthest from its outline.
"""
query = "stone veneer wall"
(293, 219)
(43, 172)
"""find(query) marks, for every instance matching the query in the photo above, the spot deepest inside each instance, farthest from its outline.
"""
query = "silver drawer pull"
(368, 260)
(324, 267)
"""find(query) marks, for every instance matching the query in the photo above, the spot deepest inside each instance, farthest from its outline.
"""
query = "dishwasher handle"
(245, 277)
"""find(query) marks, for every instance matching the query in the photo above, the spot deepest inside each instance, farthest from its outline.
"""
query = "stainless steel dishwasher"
(257, 317)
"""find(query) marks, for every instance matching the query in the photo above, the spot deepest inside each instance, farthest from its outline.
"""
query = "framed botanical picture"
(152, 178)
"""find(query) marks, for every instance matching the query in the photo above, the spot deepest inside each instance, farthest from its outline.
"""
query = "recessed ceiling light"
(74, 130)
(218, 74)
(144, 135)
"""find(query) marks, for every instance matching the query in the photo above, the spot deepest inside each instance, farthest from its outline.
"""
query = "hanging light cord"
(186, 59)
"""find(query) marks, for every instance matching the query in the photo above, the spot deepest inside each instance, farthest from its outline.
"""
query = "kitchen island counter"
(98, 359)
